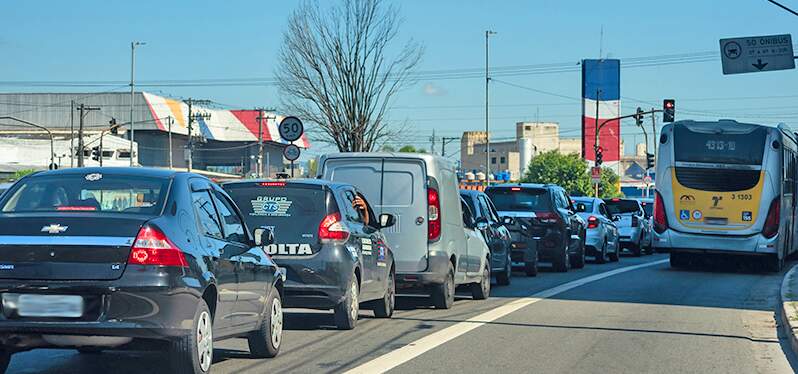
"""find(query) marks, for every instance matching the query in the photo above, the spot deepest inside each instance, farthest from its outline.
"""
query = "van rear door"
(396, 186)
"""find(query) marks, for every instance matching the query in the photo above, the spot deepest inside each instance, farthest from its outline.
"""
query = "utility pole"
(260, 142)
(432, 145)
(191, 118)
(132, 95)
(488, 33)
(446, 140)
(86, 110)
(654, 128)
(71, 134)
(596, 141)
(169, 123)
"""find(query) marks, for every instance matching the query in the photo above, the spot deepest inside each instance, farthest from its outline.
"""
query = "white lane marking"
(412, 350)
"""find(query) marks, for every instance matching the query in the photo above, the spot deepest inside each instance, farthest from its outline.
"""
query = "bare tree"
(336, 70)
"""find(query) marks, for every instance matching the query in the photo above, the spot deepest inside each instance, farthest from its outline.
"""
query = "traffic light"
(95, 153)
(668, 110)
(114, 127)
(649, 160)
(599, 156)
(639, 117)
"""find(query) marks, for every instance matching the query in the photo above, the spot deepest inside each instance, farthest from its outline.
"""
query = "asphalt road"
(630, 317)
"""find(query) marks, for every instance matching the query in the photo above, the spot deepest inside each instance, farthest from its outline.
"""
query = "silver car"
(429, 239)
(631, 223)
(648, 235)
(602, 240)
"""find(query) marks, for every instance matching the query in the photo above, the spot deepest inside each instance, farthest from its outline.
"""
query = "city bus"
(726, 187)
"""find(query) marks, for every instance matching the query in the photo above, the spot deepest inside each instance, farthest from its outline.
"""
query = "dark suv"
(544, 213)
(495, 233)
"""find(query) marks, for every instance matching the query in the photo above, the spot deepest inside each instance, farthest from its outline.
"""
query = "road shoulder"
(789, 307)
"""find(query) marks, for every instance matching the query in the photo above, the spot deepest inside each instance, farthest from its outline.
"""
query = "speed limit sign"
(291, 128)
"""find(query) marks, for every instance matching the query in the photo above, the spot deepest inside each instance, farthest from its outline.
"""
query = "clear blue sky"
(90, 40)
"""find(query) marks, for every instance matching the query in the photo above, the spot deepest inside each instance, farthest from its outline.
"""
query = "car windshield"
(92, 192)
(517, 199)
(619, 206)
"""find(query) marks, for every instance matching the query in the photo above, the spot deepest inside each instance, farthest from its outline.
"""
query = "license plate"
(49, 305)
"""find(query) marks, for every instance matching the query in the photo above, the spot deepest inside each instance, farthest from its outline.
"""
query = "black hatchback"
(99, 258)
(329, 242)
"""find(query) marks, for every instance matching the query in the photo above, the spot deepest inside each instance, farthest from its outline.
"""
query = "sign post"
(755, 54)
(291, 129)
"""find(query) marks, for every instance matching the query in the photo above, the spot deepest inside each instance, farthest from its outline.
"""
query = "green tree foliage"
(411, 149)
(571, 173)
(567, 171)
(21, 173)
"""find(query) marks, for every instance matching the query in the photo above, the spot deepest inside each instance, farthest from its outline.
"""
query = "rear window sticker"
(93, 177)
(684, 214)
(289, 249)
(271, 206)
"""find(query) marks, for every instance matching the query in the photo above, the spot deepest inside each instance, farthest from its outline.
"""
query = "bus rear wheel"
(773, 263)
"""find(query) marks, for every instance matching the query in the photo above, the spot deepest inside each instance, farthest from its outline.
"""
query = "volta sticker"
(289, 249)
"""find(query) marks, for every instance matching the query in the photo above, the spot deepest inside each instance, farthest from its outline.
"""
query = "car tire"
(265, 341)
(562, 263)
(636, 250)
(481, 290)
(602, 256)
(503, 277)
(5, 359)
(346, 312)
(531, 267)
(384, 307)
(193, 353)
(443, 294)
(578, 262)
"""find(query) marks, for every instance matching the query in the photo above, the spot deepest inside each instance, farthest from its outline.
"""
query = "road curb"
(789, 307)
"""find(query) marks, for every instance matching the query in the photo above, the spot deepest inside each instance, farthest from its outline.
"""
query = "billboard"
(601, 100)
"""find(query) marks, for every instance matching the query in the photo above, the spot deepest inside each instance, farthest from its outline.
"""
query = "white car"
(631, 225)
(602, 239)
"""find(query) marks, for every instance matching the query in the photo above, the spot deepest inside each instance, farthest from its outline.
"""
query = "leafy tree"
(568, 171)
(609, 183)
(412, 149)
(21, 173)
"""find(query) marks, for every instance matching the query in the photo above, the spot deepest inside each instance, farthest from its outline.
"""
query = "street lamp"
(488, 33)
(133, 46)
(52, 146)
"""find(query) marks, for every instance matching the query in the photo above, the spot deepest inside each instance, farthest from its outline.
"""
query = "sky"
(90, 41)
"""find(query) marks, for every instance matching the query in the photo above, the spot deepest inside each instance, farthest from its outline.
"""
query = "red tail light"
(152, 247)
(592, 222)
(660, 218)
(272, 184)
(332, 229)
(772, 222)
(433, 215)
(635, 221)
(548, 217)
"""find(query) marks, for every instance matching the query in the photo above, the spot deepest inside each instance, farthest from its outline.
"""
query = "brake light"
(76, 208)
(548, 217)
(615, 199)
(332, 229)
(433, 215)
(772, 222)
(272, 184)
(592, 222)
(152, 247)
(660, 218)
(635, 221)
(515, 188)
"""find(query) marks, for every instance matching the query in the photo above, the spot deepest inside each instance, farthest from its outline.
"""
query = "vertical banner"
(601, 99)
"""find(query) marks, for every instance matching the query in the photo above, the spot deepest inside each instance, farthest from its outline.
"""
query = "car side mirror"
(387, 220)
(508, 221)
(264, 236)
(481, 224)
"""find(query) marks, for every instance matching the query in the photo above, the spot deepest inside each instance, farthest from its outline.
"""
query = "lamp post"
(133, 46)
(52, 146)
(488, 33)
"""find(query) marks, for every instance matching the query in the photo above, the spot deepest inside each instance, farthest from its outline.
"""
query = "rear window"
(587, 203)
(724, 148)
(648, 207)
(93, 192)
(622, 206)
(517, 199)
(294, 211)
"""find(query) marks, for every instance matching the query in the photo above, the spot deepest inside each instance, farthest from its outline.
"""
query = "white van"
(429, 240)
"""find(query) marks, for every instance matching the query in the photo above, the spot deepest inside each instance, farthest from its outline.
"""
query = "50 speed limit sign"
(291, 128)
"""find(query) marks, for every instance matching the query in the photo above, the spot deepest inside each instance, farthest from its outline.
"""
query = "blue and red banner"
(601, 100)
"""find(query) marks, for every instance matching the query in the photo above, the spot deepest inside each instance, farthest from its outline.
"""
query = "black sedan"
(496, 235)
(329, 241)
(100, 258)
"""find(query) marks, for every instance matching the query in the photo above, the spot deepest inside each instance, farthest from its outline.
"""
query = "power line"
(783, 7)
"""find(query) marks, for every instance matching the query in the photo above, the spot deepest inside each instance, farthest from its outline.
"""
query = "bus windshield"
(724, 148)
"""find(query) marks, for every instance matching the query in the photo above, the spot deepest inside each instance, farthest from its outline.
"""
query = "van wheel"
(443, 294)
(481, 290)
(563, 262)
(503, 278)
(346, 312)
(193, 353)
(265, 341)
(5, 359)
(384, 307)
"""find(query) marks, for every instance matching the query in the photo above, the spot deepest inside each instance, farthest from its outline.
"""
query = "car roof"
(524, 185)
(585, 198)
(304, 181)
(134, 171)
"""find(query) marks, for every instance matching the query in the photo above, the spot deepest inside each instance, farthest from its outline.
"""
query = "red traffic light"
(669, 104)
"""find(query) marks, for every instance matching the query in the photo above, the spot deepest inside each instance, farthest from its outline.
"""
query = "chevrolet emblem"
(54, 228)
